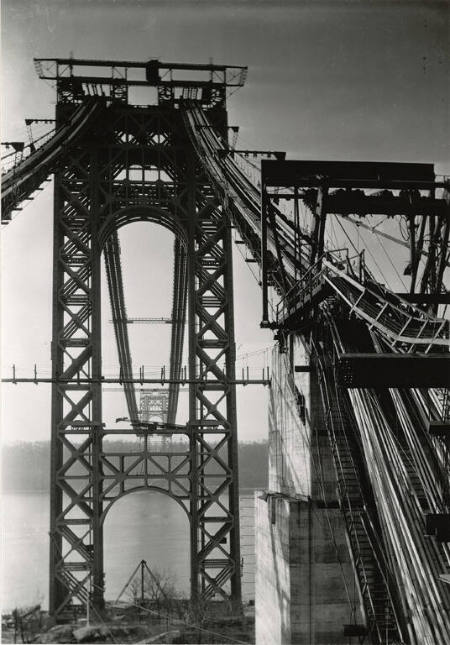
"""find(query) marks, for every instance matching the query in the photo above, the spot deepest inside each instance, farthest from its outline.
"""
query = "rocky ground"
(126, 624)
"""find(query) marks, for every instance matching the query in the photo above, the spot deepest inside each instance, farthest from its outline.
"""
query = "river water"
(143, 526)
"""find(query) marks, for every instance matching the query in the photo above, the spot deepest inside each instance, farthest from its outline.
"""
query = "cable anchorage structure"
(397, 332)
(333, 301)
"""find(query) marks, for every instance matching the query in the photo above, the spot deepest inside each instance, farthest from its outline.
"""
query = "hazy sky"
(327, 80)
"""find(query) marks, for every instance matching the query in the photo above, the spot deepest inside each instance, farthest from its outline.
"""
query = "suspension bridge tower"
(115, 162)
(353, 532)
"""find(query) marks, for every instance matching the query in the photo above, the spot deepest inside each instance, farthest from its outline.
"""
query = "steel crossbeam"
(163, 471)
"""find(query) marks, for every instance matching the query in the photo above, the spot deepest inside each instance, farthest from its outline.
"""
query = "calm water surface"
(143, 525)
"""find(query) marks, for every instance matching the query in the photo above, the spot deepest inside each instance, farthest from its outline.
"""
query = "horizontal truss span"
(86, 381)
(164, 429)
(338, 173)
(58, 69)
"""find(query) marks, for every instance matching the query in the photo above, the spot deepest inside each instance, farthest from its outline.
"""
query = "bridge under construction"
(359, 468)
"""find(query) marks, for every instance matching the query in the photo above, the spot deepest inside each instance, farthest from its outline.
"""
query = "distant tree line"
(26, 466)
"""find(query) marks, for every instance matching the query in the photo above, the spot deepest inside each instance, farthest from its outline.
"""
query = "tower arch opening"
(145, 525)
(147, 256)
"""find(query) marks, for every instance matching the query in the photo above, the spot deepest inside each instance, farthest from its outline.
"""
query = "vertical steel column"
(215, 548)
(96, 589)
(444, 245)
(264, 267)
(236, 591)
(55, 591)
(297, 237)
(320, 215)
(191, 226)
(76, 551)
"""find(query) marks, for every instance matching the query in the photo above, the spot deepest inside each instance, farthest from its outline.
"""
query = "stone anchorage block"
(299, 573)
(303, 563)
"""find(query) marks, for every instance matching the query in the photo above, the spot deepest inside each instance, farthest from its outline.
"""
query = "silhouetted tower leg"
(215, 559)
(76, 551)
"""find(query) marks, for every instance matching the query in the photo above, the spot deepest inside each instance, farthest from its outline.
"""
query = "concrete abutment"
(306, 590)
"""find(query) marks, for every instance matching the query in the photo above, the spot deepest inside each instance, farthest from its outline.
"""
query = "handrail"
(399, 321)
(315, 271)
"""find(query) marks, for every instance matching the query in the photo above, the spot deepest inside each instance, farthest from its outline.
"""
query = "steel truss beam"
(141, 381)
(141, 167)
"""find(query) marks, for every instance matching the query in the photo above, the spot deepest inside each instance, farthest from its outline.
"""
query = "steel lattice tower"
(138, 164)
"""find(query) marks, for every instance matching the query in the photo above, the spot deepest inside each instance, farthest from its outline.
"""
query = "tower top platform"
(76, 77)
(156, 71)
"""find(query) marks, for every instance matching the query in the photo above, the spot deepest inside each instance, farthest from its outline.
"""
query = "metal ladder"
(380, 617)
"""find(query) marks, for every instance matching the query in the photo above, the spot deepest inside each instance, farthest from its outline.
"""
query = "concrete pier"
(305, 587)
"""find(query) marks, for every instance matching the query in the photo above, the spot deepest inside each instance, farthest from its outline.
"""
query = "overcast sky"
(327, 80)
